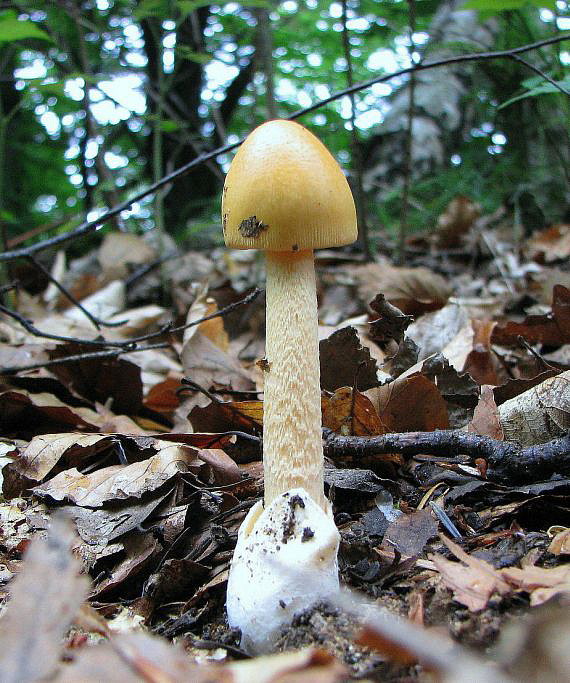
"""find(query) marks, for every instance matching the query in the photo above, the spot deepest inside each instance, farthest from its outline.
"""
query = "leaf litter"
(143, 481)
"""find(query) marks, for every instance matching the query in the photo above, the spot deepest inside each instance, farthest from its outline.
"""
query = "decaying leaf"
(413, 290)
(552, 329)
(456, 221)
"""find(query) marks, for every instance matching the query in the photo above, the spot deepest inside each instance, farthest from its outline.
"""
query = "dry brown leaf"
(119, 250)
(410, 404)
(120, 482)
(542, 583)
(103, 304)
(41, 455)
(413, 290)
(348, 412)
(46, 595)
(486, 420)
(221, 417)
(32, 411)
(209, 366)
(163, 397)
(472, 581)
(345, 362)
(301, 666)
(481, 363)
(552, 329)
(560, 544)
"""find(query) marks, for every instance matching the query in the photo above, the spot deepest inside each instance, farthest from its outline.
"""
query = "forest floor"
(445, 404)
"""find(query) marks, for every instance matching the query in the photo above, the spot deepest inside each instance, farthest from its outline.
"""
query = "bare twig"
(507, 462)
(80, 357)
(90, 226)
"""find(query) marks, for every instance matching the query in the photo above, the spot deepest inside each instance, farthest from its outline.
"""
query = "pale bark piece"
(45, 598)
(539, 414)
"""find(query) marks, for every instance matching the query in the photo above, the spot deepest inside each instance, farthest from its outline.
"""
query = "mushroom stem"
(292, 441)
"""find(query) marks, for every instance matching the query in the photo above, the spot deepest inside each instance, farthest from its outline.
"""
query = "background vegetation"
(100, 98)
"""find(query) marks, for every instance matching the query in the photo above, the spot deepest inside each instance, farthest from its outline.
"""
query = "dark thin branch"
(90, 226)
(127, 344)
(541, 73)
(507, 462)
(79, 357)
(96, 322)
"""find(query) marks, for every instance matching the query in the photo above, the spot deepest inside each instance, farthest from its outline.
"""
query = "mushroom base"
(285, 560)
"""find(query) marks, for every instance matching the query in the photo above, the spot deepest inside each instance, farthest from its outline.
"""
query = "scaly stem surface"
(292, 442)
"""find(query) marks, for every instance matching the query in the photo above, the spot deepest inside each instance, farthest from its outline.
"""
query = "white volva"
(285, 560)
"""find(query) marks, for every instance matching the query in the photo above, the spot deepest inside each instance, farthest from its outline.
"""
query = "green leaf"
(151, 8)
(186, 7)
(169, 126)
(497, 6)
(12, 29)
(538, 86)
(186, 53)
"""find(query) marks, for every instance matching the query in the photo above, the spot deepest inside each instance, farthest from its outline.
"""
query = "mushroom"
(285, 194)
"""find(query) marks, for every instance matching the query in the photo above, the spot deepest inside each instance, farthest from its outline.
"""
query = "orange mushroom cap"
(285, 192)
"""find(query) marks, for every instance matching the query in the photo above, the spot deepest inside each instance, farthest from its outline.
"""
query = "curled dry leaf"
(550, 245)
(552, 329)
(100, 379)
(391, 322)
(222, 417)
(345, 362)
(210, 366)
(542, 583)
(42, 454)
(560, 544)
(119, 250)
(29, 412)
(539, 414)
(486, 421)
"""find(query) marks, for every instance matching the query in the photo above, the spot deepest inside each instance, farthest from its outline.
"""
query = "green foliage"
(538, 86)
(12, 29)
(496, 6)
(57, 163)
